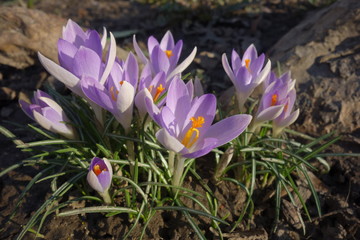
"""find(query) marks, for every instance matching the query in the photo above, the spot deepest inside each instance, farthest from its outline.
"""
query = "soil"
(214, 29)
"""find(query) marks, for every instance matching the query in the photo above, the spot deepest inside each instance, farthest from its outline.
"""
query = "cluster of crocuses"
(183, 114)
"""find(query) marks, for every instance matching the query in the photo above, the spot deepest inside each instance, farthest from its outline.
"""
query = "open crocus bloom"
(164, 56)
(48, 114)
(187, 123)
(80, 54)
(117, 94)
(246, 73)
(287, 116)
(100, 174)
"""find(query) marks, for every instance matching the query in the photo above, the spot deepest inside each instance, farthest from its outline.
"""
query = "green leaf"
(100, 209)
(189, 210)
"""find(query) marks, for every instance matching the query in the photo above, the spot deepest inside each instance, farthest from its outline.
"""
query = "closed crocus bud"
(100, 174)
(48, 114)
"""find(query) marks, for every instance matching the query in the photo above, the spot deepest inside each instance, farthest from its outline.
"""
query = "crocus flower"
(283, 79)
(48, 114)
(287, 117)
(271, 103)
(80, 54)
(117, 94)
(186, 123)
(100, 174)
(246, 73)
(164, 56)
(152, 88)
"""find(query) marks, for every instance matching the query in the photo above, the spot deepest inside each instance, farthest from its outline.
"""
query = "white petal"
(124, 104)
(66, 131)
(227, 68)
(108, 165)
(103, 39)
(63, 75)
(269, 113)
(168, 141)
(264, 73)
(140, 102)
(289, 120)
(111, 59)
(182, 66)
(93, 181)
(52, 104)
(138, 51)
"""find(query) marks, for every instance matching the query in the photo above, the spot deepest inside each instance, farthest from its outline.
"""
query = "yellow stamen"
(97, 170)
(159, 90)
(247, 64)
(169, 53)
(113, 93)
(274, 99)
(121, 82)
(189, 138)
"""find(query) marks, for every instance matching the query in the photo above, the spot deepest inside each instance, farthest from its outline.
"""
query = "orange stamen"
(159, 90)
(189, 139)
(121, 82)
(169, 53)
(113, 93)
(97, 170)
(274, 99)
(247, 64)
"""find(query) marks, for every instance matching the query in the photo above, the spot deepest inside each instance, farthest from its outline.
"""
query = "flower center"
(97, 170)
(113, 93)
(169, 53)
(247, 64)
(274, 99)
(190, 138)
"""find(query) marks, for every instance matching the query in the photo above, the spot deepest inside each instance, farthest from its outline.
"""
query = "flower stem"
(131, 156)
(106, 197)
(171, 162)
(178, 171)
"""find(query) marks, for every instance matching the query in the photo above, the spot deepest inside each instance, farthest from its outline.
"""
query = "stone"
(325, 62)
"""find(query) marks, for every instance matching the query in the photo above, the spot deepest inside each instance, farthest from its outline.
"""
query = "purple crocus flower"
(271, 104)
(80, 55)
(48, 114)
(186, 123)
(152, 88)
(287, 116)
(246, 73)
(100, 174)
(164, 56)
(283, 79)
(117, 94)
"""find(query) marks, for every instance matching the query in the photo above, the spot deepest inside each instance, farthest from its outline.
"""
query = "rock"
(7, 94)
(24, 32)
(323, 55)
